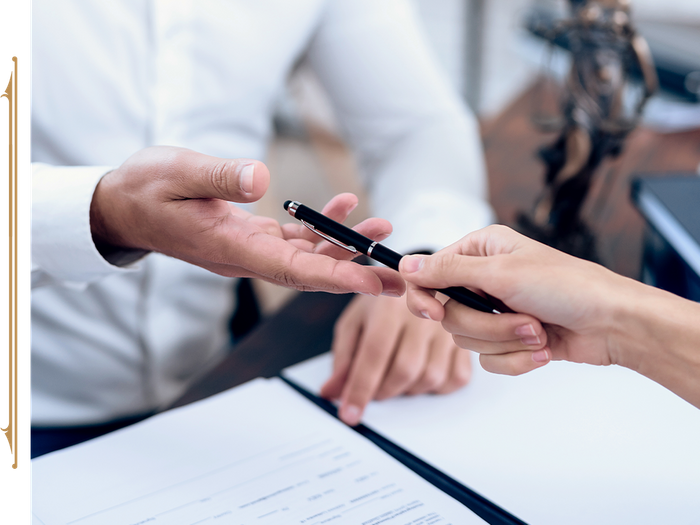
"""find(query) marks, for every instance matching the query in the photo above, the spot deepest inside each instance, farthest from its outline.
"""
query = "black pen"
(354, 242)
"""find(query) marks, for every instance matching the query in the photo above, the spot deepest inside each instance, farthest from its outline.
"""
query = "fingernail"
(525, 330)
(425, 314)
(413, 264)
(391, 294)
(246, 178)
(530, 340)
(350, 414)
(369, 294)
(541, 356)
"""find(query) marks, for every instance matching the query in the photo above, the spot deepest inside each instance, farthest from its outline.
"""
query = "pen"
(354, 242)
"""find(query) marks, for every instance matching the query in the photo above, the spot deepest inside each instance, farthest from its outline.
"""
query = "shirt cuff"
(62, 246)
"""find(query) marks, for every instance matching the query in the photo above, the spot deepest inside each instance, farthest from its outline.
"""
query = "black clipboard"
(481, 506)
(671, 245)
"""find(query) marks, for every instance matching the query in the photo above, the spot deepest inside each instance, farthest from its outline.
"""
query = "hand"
(380, 350)
(575, 300)
(569, 309)
(175, 201)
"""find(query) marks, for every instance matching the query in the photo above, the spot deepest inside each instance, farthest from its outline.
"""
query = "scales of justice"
(612, 75)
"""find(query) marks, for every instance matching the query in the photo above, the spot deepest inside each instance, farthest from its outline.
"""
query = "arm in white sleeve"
(63, 251)
(418, 146)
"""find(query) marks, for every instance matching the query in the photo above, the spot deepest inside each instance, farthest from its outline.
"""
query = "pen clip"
(330, 239)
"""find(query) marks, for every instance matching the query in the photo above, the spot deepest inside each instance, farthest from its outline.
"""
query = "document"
(565, 444)
(257, 454)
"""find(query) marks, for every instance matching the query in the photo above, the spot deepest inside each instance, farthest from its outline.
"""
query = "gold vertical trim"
(11, 94)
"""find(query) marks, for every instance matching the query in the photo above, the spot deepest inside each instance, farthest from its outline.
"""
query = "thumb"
(199, 176)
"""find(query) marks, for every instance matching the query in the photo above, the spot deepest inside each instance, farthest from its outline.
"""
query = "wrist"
(658, 336)
(627, 321)
(111, 246)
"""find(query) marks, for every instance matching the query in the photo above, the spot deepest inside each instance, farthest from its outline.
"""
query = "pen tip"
(286, 204)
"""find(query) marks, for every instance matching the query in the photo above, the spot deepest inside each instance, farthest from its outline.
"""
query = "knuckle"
(500, 229)
(435, 382)
(219, 178)
(284, 278)
(345, 325)
(498, 265)
(510, 366)
(340, 326)
(432, 379)
(441, 264)
(462, 342)
(283, 273)
(512, 370)
(448, 324)
(375, 353)
(168, 167)
(493, 332)
(404, 373)
(461, 375)
(269, 225)
(171, 157)
(486, 362)
(360, 391)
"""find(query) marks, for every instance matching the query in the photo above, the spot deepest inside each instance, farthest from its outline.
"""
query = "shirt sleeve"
(418, 147)
(63, 251)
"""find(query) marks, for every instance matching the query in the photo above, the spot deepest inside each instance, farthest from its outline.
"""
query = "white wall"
(686, 11)
(505, 69)
(509, 60)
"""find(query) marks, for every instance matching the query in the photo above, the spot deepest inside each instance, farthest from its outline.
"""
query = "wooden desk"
(303, 328)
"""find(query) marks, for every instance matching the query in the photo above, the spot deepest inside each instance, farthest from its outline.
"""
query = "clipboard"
(481, 506)
(293, 463)
(671, 247)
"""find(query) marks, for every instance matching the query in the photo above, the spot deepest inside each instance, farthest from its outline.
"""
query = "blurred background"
(497, 65)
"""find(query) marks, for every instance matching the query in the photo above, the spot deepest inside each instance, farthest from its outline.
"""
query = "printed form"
(258, 454)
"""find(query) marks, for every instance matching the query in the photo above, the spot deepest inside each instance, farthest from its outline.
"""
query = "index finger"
(444, 269)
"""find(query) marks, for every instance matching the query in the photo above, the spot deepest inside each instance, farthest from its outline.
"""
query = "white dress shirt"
(110, 78)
